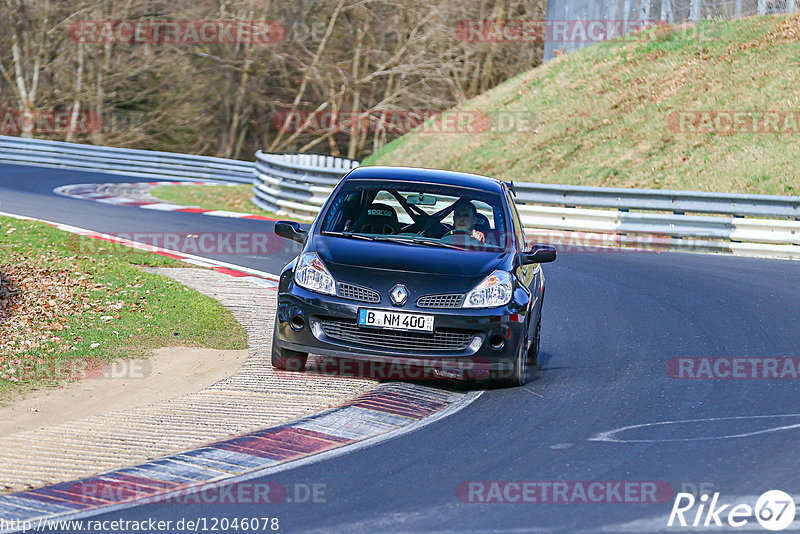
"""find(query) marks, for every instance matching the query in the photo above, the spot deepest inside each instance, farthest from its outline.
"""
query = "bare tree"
(357, 63)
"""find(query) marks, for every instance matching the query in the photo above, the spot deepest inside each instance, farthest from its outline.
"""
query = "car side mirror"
(290, 230)
(538, 254)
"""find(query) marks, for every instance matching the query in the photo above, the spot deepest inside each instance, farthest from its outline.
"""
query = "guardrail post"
(694, 10)
(644, 11)
(666, 11)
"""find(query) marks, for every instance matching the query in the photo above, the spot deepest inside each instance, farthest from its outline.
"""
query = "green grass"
(214, 197)
(600, 114)
(76, 301)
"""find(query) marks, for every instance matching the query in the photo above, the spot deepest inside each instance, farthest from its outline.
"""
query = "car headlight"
(312, 274)
(495, 290)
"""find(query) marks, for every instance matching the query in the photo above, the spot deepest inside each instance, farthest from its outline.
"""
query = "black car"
(425, 271)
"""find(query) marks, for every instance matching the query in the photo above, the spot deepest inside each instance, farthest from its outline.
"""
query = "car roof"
(430, 176)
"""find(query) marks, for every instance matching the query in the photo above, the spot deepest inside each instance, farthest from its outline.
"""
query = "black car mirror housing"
(538, 254)
(290, 230)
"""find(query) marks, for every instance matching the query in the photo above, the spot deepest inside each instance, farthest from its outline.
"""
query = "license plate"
(392, 320)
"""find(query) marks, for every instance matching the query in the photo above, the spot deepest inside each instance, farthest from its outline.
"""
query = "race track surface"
(612, 322)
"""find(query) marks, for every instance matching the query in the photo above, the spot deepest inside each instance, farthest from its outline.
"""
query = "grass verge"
(213, 197)
(604, 115)
(62, 310)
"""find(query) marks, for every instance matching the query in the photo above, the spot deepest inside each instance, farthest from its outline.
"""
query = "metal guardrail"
(579, 216)
(297, 185)
(130, 162)
(660, 200)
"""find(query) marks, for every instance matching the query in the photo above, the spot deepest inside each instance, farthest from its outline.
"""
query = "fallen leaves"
(787, 31)
(40, 295)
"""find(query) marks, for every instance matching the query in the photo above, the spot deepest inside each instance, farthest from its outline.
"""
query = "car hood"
(358, 261)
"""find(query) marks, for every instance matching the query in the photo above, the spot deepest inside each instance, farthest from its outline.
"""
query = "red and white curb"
(137, 194)
(206, 474)
(255, 276)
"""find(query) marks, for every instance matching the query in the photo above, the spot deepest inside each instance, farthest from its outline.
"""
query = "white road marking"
(610, 436)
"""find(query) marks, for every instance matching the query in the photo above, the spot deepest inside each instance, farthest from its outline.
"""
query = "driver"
(464, 216)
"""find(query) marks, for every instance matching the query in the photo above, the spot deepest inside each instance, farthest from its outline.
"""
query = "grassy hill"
(615, 114)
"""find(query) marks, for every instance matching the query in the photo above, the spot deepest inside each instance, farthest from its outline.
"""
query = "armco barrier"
(139, 163)
(296, 186)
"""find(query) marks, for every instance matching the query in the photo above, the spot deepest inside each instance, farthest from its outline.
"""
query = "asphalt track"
(612, 321)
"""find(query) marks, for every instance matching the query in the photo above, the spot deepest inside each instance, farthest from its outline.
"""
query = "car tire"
(533, 350)
(286, 359)
(519, 373)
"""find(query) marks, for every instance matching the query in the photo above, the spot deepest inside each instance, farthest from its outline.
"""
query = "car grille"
(440, 301)
(349, 291)
(406, 341)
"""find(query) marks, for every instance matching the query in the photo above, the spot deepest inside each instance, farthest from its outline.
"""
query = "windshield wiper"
(391, 239)
(348, 234)
(436, 244)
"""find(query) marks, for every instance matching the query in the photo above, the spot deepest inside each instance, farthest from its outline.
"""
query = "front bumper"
(488, 339)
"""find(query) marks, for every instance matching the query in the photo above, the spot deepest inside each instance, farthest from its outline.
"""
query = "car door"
(527, 274)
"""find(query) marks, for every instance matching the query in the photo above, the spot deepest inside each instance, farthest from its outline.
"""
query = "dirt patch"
(170, 372)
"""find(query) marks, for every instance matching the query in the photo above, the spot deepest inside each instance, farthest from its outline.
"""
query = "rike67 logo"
(774, 510)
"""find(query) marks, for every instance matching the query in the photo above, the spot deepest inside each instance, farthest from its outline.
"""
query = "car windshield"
(418, 214)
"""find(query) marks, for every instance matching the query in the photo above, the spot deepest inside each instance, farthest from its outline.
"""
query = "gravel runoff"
(253, 398)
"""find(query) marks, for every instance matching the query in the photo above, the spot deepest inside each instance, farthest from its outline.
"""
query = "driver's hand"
(479, 236)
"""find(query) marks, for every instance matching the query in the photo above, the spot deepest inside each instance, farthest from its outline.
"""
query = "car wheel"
(519, 373)
(533, 350)
(286, 359)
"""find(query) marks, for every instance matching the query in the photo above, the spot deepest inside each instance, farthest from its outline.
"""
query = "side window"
(519, 231)
(343, 212)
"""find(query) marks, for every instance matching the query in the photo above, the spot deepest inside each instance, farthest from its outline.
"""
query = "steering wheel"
(451, 235)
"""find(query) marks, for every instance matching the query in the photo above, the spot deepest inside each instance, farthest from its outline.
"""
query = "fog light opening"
(497, 341)
(297, 323)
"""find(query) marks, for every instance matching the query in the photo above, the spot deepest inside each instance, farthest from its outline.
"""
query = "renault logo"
(399, 294)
